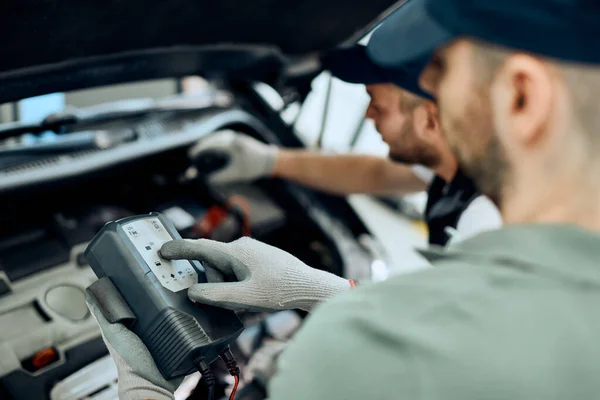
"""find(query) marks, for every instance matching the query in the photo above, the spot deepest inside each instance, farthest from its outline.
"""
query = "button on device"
(67, 301)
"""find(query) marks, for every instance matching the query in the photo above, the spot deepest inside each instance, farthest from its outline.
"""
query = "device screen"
(148, 235)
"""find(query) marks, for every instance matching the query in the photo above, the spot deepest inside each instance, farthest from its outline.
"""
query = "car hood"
(59, 45)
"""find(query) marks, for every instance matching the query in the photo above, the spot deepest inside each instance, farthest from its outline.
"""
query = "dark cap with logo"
(562, 29)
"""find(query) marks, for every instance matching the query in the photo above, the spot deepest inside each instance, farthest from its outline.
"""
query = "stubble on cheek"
(472, 138)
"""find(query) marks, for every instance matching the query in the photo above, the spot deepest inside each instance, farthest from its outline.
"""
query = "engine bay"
(52, 206)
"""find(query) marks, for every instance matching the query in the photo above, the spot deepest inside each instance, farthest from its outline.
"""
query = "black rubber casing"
(178, 333)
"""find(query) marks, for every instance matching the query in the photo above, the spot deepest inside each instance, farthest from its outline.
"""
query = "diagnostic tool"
(148, 294)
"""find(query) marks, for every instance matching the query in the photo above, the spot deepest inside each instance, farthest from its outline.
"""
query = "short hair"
(582, 82)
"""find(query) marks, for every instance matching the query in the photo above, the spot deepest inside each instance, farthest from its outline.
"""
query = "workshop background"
(112, 140)
(331, 118)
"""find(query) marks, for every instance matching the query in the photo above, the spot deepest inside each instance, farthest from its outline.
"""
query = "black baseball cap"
(560, 29)
(353, 65)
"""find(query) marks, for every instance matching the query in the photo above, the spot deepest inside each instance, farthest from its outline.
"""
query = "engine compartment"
(45, 334)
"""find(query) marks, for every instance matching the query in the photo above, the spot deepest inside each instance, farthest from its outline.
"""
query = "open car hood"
(61, 45)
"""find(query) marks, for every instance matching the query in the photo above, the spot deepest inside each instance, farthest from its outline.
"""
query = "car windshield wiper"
(61, 145)
(70, 142)
(117, 110)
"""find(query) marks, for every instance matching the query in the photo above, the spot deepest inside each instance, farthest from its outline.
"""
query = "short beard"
(421, 156)
(489, 171)
(486, 164)
(420, 153)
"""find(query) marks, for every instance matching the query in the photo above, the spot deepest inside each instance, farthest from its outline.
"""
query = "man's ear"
(522, 98)
(426, 120)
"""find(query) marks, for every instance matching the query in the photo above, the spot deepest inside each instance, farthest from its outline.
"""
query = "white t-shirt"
(480, 216)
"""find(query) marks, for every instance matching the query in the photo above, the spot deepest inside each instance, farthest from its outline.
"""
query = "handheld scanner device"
(148, 294)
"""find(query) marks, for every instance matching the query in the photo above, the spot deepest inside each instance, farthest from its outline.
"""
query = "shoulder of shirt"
(365, 326)
(406, 295)
(481, 215)
(372, 325)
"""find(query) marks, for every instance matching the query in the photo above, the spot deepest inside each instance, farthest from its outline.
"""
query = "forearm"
(346, 174)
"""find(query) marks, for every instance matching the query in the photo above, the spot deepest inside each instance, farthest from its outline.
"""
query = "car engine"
(53, 205)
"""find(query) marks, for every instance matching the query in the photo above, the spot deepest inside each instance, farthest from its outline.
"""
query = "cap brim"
(352, 65)
(408, 35)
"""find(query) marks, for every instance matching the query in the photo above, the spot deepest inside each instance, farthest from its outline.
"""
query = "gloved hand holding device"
(139, 377)
(264, 278)
(248, 159)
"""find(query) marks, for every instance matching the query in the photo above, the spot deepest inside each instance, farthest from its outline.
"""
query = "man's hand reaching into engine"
(249, 159)
(249, 275)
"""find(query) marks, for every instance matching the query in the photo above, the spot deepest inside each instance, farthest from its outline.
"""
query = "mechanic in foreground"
(509, 314)
(407, 119)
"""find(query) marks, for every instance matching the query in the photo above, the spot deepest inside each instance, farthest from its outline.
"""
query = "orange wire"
(235, 386)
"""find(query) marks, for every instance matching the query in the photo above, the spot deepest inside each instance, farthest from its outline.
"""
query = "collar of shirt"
(561, 248)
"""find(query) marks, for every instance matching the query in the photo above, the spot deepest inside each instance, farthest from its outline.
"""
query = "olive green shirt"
(512, 314)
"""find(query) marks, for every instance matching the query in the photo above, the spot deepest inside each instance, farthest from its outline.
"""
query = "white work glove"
(249, 159)
(139, 377)
(265, 278)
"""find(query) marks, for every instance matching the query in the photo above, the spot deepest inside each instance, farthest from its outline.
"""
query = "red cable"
(235, 387)
(215, 216)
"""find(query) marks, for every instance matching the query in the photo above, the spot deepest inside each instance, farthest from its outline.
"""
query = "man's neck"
(554, 202)
(446, 169)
